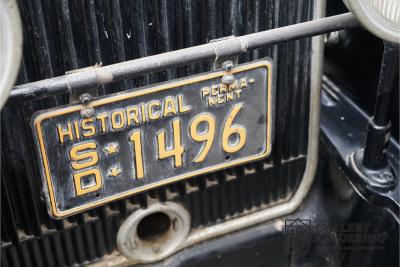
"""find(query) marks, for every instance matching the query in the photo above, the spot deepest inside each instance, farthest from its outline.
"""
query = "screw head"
(228, 78)
(87, 112)
(85, 98)
(227, 65)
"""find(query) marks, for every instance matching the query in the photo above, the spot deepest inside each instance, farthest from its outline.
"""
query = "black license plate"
(149, 137)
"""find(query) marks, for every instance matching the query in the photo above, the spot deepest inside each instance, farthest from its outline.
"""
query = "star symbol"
(111, 148)
(114, 171)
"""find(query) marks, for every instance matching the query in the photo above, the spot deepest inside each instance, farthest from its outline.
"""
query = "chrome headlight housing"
(10, 47)
(381, 17)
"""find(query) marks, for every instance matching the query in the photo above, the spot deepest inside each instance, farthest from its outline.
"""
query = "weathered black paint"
(64, 35)
(253, 118)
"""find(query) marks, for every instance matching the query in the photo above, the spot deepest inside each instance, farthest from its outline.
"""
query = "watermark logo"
(297, 236)
(301, 234)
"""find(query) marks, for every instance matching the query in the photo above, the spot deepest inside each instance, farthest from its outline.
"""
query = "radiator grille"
(63, 35)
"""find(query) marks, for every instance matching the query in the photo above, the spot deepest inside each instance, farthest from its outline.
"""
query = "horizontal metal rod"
(95, 76)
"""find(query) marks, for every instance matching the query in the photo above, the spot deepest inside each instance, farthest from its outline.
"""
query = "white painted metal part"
(380, 17)
(10, 47)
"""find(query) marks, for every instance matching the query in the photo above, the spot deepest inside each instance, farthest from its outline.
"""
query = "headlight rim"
(11, 46)
(378, 25)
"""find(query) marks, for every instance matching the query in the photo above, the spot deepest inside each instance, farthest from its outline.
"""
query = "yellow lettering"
(77, 133)
(238, 92)
(137, 142)
(81, 190)
(118, 119)
(243, 83)
(142, 108)
(169, 106)
(208, 136)
(220, 99)
(82, 157)
(177, 150)
(102, 118)
(62, 132)
(222, 89)
(90, 130)
(234, 85)
(211, 101)
(233, 129)
(181, 106)
(205, 91)
(154, 114)
(229, 96)
(214, 90)
(132, 113)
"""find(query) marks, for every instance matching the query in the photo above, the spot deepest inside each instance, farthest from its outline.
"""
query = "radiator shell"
(65, 35)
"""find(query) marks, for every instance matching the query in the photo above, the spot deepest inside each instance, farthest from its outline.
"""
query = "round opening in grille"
(154, 226)
(154, 233)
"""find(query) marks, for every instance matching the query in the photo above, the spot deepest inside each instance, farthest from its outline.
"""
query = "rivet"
(87, 112)
(228, 78)
(85, 98)
(227, 65)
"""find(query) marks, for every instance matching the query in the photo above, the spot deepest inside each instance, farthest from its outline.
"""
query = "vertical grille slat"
(99, 239)
(59, 251)
(63, 35)
(47, 252)
(4, 262)
(21, 183)
(9, 231)
(36, 253)
(67, 34)
(93, 33)
(14, 258)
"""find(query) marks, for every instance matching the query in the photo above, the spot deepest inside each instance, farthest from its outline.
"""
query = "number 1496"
(207, 137)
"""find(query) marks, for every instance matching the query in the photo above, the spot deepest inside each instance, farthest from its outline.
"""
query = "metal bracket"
(224, 53)
(227, 58)
(378, 186)
(83, 82)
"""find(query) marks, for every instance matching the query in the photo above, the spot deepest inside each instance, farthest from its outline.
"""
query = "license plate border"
(40, 116)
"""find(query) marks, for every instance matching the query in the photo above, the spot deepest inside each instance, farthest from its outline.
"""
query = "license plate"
(149, 137)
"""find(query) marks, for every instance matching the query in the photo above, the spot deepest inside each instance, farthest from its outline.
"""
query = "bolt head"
(85, 98)
(87, 112)
(228, 78)
(228, 65)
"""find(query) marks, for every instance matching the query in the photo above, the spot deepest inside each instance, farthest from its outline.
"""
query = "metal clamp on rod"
(371, 163)
(228, 49)
(80, 82)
